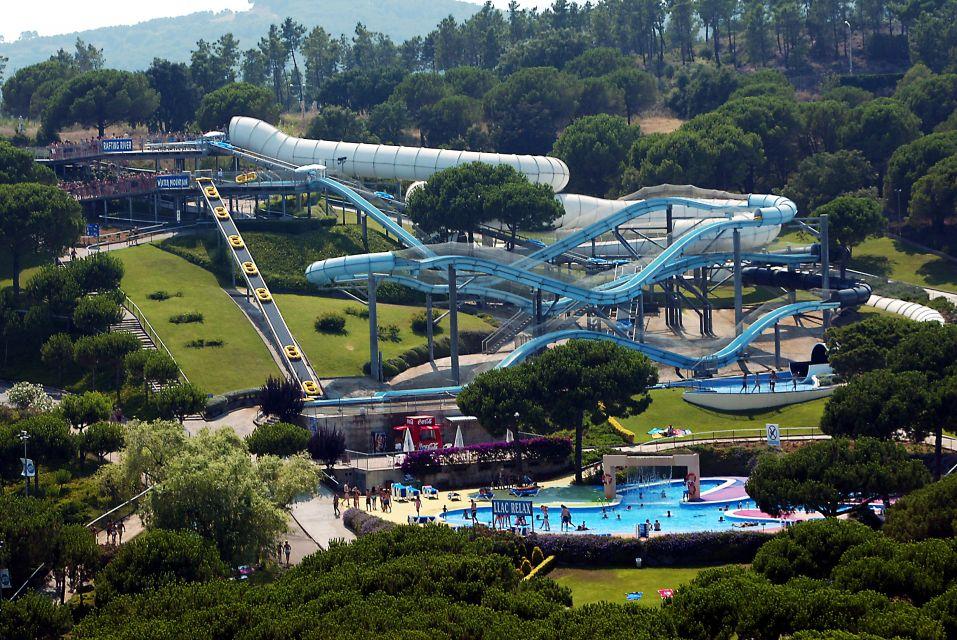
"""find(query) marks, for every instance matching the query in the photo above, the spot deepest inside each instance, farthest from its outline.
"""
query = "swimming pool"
(661, 501)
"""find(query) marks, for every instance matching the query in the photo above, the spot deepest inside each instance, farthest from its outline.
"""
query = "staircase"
(129, 324)
(506, 331)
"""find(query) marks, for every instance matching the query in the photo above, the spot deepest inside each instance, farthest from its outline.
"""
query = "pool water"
(756, 383)
(661, 501)
(549, 495)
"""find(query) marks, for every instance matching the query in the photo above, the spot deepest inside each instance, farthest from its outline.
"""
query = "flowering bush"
(419, 463)
(27, 396)
(680, 549)
(361, 523)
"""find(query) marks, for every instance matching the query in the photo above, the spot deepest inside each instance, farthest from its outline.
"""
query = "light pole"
(850, 56)
(24, 436)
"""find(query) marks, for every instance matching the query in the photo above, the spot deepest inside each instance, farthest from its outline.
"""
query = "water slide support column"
(429, 327)
(454, 325)
(365, 231)
(825, 264)
(777, 345)
(374, 369)
(738, 315)
(641, 315)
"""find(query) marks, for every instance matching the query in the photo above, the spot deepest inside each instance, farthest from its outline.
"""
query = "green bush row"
(469, 342)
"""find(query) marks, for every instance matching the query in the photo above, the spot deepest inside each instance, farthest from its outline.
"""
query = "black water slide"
(848, 292)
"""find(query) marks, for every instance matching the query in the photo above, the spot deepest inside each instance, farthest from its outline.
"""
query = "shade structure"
(459, 440)
(509, 436)
(407, 444)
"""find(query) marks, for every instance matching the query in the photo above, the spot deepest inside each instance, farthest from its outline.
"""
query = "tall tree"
(834, 477)
(102, 98)
(179, 95)
(322, 54)
(36, 219)
(594, 148)
(240, 98)
(292, 34)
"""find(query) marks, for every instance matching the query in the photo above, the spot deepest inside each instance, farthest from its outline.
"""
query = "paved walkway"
(317, 519)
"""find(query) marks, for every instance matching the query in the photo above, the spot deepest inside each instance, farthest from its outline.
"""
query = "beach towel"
(634, 595)
(666, 593)
(660, 433)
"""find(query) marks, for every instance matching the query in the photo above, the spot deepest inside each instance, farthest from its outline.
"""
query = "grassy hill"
(133, 47)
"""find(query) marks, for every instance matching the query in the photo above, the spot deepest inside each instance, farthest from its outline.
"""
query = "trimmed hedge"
(469, 342)
(674, 550)
(361, 523)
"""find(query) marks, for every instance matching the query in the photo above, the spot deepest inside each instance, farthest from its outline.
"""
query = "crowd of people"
(93, 146)
(375, 498)
(119, 185)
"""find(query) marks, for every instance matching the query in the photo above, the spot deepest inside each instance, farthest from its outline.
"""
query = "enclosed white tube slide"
(380, 161)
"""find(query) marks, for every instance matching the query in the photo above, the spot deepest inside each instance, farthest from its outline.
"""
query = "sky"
(53, 17)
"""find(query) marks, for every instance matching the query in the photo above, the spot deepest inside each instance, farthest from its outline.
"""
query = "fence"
(726, 435)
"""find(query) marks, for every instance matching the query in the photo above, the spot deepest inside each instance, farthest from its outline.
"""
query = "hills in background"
(133, 47)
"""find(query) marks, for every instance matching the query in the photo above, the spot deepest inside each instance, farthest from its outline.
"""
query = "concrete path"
(241, 421)
(317, 519)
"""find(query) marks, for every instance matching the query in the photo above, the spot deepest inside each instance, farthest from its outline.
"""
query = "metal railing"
(150, 331)
(750, 434)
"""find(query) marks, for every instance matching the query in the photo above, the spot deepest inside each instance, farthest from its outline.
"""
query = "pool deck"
(726, 492)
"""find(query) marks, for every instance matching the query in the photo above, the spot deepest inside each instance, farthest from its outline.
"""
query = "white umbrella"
(407, 444)
(509, 436)
(459, 440)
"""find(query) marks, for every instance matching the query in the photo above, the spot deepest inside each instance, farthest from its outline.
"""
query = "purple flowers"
(419, 463)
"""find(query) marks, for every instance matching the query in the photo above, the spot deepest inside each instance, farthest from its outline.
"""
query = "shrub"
(327, 445)
(200, 343)
(86, 408)
(97, 272)
(180, 400)
(362, 524)
(330, 322)
(156, 558)
(389, 333)
(420, 323)
(469, 342)
(95, 314)
(102, 438)
(277, 438)
(159, 295)
(930, 512)
(57, 353)
(281, 398)
(423, 462)
(526, 567)
(186, 317)
(674, 550)
(810, 549)
(537, 556)
(26, 396)
(358, 312)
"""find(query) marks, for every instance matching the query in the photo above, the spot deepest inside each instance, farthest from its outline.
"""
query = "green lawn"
(344, 355)
(900, 260)
(30, 265)
(667, 407)
(611, 585)
(242, 362)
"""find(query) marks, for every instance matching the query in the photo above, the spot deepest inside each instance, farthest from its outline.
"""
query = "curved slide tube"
(382, 161)
(849, 293)
(910, 310)
(665, 264)
(721, 358)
